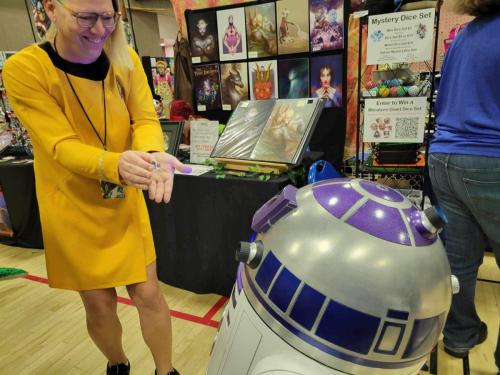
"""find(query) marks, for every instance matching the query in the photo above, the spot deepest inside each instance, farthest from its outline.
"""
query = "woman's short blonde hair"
(476, 7)
(116, 46)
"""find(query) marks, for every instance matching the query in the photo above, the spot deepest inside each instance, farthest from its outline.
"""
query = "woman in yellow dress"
(85, 100)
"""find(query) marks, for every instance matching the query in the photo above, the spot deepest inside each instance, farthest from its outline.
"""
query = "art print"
(326, 22)
(326, 79)
(207, 87)
(261, 30)
(293, 26)
(234, 84)
(202, 27)
(293, 78)
(232, 34)
(263, 80)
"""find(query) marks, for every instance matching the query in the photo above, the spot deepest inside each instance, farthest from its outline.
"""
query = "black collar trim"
(96, 71)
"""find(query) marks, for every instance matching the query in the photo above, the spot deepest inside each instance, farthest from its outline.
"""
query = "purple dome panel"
(381, 221)
(419, 239)
(336, 198)
(381, 191)
(332, 181)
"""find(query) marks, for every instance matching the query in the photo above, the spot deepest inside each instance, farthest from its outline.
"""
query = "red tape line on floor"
(205, 320)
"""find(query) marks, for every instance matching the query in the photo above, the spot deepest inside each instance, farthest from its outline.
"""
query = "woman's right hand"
(135, 169)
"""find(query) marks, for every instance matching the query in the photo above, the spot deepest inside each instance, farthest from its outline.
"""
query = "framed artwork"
(263, 80)
(234, 84)
(162, 70)
(261, 30)
(202, 29)
(293, 26)
(326, 79)
(232, 34)
(326, 23)
(172, 133)
(269, 130)
(207, 87)
(243, 129)
(293, 77)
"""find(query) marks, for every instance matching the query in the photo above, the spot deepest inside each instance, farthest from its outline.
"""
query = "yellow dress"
(90, 242)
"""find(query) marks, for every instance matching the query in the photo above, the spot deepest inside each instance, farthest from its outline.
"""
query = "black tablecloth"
(18, 185)
(196, 234)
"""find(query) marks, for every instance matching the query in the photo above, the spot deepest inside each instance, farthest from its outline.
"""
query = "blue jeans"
(467, 189)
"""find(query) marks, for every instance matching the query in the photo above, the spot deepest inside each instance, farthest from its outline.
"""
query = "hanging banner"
(401, 37)
(395, 120)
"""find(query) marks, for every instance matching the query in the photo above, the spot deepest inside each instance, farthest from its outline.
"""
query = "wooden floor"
(42, 330)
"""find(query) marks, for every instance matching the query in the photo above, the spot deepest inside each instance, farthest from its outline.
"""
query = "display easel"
(248, 165)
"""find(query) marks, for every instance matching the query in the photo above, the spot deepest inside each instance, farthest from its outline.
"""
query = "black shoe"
(462, 353)
(119, 369)
(172, 372)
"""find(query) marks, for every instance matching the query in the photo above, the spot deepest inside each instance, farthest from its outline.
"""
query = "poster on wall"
(232, 34)
(263, 80)
(5, 224)
(202, 27)
(401, 37)
(326, 22)
(40, 18)
(207, 87)
(234, 84)
(293, 78)
(326, 79)
(162, 69)
(261, 30)
(395, 120)
(293, 36)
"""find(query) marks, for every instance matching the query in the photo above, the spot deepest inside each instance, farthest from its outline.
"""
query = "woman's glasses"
(88, 20)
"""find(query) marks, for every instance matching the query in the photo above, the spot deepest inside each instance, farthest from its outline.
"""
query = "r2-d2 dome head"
(349, 273)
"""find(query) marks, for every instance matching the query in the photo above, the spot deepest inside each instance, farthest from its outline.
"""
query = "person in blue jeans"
(464, 164)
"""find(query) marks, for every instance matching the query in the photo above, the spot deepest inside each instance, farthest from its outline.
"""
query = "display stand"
(400, 176)
(247, 166)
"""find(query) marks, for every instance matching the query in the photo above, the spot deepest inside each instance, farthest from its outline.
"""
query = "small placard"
(244, 104)
(253, 54)
(153, 62)
(226, 107)
(203, 136)
(360, 14)
(196, 60)
(202, 108)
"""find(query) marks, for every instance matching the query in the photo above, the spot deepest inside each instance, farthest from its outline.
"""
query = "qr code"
(406, 127)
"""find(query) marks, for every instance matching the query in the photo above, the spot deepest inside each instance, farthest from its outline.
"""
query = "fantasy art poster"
(42, 21)
(283, 137)
(326, 22)
(292, 26)
(207, 87)
(326, 79)
(261, 30)
(234, 84)
(293, 76)
(263, 80)
(232, 34)
(202, 28)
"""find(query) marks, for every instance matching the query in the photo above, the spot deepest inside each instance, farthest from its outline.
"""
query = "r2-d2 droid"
(344, 276)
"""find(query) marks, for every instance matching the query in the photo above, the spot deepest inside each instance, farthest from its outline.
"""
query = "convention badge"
(110, 190)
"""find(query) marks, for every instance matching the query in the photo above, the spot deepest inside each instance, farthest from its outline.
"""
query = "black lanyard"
(85, 112)
(87, 116)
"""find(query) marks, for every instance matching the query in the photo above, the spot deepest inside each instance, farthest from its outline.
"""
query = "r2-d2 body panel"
(344, 276)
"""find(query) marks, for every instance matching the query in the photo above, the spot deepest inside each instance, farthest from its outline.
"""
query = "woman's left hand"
(160, 188)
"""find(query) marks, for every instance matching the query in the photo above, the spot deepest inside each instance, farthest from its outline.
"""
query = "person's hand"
(135, 169)
(162, 182)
